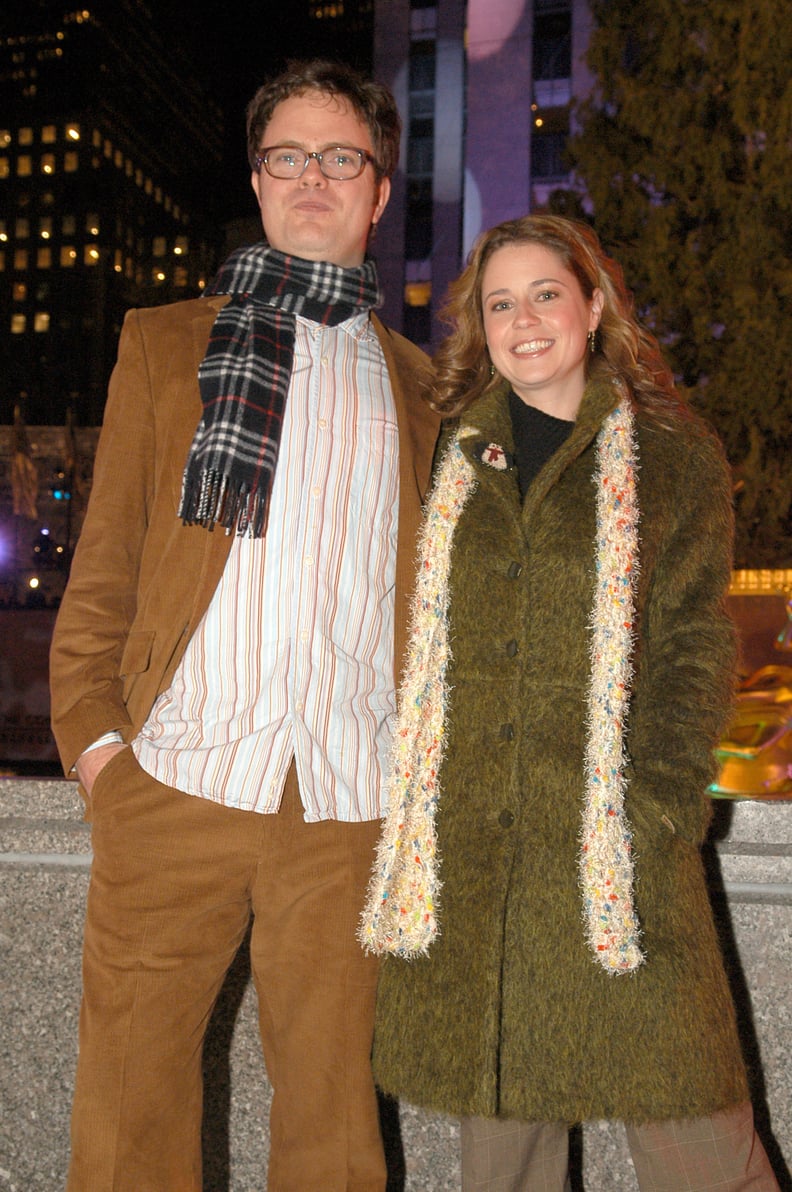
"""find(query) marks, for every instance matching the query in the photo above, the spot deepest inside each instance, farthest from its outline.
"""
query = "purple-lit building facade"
(486, 89)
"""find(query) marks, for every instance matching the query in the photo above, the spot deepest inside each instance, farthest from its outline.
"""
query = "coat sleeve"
(99, 603)
(684, 685)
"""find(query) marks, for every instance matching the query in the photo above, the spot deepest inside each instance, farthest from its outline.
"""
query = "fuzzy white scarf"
(401, 910)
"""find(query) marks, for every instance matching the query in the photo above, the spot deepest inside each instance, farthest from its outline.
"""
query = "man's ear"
(382, 200)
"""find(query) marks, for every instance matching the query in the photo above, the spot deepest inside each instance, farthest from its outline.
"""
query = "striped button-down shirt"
(294, 657)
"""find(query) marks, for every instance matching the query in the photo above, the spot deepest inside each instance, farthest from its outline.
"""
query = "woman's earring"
(492, 370)
(592, 342)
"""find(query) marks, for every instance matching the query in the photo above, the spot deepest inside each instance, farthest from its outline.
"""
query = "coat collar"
(486, 439)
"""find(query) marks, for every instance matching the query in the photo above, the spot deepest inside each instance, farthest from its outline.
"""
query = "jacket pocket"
(137, 652)
(136, 659)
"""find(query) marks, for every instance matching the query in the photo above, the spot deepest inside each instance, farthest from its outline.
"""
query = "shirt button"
(308, 561)
(515, 570)
(506, 819)
(323, 424)
(511, 648)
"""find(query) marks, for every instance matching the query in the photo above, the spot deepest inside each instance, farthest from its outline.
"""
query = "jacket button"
(515, 570)
(511, 648)
(507, 732)
(506, 819)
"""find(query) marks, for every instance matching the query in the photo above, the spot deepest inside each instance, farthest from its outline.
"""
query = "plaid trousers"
(721, 1153)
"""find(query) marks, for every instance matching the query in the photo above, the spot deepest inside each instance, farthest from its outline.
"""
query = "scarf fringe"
(401, 911)
(212, 499)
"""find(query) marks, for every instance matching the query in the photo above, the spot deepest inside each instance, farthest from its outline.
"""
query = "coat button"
(506, 819)
(515, 570)
(511, 648)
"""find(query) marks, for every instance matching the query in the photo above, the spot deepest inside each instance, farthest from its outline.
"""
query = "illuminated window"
(48, 163)
(157, 276)
(19, 291)
(45, 227)
(3, 231)
(72, 132)
(138, 177)
(92, 224)
(418, 293)
(22, 228)
(44, 257)
(127, 167)
(180, 276)
(96, 139)
(149, 186)
(158, 195)
(2, 262)
(108, 150)
(159, 247)
(26, 136)
(68, 256)
(18, 324)
(90, 255)
(41, 320)
(118, 260)
(4, 167)
(5, 138)
(49, 134)
(118, 159)
(181, 247)
(70, 161)
(20, 258)
(24, 165)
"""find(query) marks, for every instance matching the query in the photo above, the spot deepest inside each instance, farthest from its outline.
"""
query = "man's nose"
(312, 174)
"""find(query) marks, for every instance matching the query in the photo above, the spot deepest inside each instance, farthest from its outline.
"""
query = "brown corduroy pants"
(174, 881)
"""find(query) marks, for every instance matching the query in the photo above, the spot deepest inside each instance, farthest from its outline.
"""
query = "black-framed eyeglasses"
(341, 163)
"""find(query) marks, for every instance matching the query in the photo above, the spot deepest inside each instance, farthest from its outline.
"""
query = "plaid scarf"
(244, 377)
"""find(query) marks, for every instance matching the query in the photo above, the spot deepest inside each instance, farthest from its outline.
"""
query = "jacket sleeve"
(684, 685)
(99, 603)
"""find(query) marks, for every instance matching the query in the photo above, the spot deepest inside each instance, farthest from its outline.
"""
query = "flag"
(24, 476)
(70, 452)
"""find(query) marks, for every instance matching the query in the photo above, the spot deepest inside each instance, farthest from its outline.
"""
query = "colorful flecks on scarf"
(401, 909)
(606, 865)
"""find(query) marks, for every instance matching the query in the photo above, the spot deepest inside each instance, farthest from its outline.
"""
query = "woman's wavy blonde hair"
(625, 351)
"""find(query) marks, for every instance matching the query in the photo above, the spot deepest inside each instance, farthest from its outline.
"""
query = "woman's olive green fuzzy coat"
(509, 1014)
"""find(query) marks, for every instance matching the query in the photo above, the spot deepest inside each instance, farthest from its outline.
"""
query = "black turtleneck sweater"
(536, 437)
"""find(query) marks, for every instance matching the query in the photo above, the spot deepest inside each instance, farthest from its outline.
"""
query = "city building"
(342, 29)
(106, 144)
(486, 90)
